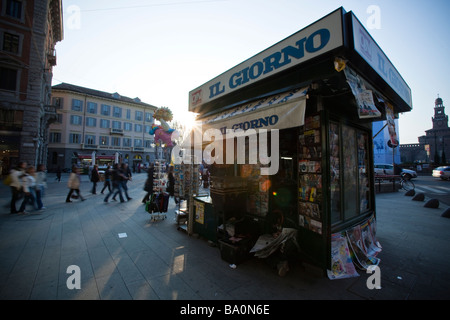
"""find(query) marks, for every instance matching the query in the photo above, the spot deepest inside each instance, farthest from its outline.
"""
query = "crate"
(235, 253)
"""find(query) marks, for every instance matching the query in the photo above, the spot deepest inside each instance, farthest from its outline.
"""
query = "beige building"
(96, 126)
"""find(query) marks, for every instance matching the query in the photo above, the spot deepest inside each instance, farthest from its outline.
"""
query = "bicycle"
(406, 183)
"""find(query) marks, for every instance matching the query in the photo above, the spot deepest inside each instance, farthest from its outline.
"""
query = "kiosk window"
(335, 185)
(363, 178)
(349, 181)
(350, 172)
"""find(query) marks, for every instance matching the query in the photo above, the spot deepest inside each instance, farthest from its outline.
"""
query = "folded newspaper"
(268, 244)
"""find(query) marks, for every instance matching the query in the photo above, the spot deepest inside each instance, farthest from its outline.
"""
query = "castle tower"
(440, 119)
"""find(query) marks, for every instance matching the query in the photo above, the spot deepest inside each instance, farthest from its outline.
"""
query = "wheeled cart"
(157, 206)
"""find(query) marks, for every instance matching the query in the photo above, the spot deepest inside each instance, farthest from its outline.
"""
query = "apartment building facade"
(96, 127)
(29, 31)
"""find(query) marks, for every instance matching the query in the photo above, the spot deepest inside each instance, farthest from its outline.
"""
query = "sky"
(159, 50)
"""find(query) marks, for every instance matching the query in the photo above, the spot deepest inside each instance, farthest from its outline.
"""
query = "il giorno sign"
(320, 37)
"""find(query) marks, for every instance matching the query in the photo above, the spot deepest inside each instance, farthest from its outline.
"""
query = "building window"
(117, 125)
(138, 115)
(14, 9)
(128, 114)
(127, 126)
(148, 117)
(104, 140)
(91, 122)
(104, 123)
(59, 118)
(126, 142)
(11, 120)
(55, 137)
(58, 102)
(148, 143)
(138, 142)
(8, 79)
(11, 42)
(138, 127)
(77, 105)
(76, 120)
(117, 112)
(115, 141)
(91, 108)
(106, 110)
(74, 138)
(89, 139)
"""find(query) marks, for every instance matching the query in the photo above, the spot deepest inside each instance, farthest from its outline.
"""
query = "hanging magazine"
(341, 261)
(369, 242)
(363, 97)
(358, 250)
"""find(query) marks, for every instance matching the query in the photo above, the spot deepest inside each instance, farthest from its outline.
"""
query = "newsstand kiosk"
(289, 132)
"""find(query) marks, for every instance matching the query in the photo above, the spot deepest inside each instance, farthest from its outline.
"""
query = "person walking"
(29, 185)
(148, 186)
(127, 177)
(107, 183)
(116, 177)
(95, 177)
(58, 174)
(74, 184)
(41, 184)
(16, 184)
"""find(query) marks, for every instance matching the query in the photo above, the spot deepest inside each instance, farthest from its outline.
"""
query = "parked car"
(384, 168)
(409, 174)
(387, 168)
(442, 172)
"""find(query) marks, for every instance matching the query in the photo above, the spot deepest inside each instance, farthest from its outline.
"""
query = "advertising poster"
(390, 118)
(199, 212)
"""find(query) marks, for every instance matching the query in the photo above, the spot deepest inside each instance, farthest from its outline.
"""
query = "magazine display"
(186, 180)
(357, 247)
(310, 175)
(341, 261)
(257, 188)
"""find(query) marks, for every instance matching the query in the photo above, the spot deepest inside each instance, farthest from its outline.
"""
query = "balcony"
(89, 146)
(117, 131)
(51, 58)
(50, 114)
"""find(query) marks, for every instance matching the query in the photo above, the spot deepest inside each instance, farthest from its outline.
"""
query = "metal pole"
(379, 131)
